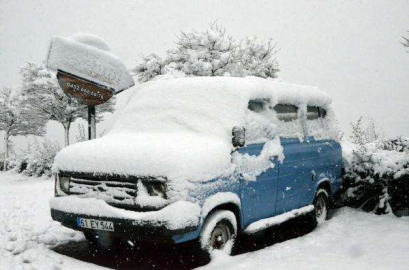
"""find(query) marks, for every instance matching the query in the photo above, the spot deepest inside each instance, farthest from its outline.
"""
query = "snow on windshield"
(196, 105)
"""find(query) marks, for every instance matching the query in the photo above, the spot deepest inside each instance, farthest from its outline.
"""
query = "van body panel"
(289, 185)
(325, 162)
(293, 174)
(258, 198)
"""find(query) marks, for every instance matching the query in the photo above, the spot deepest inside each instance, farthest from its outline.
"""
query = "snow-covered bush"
(36, 160)
(211, 53)
(16, 118)
(82, 134)
(398, 144)
(376, 172)
(149, 67)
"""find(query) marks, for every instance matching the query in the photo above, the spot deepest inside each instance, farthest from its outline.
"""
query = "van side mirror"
(238, 136)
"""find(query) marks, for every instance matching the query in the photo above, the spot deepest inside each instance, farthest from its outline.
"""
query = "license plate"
(95, 224)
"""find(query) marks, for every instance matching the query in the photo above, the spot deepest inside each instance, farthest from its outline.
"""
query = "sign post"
(92, 126)
(88, 93)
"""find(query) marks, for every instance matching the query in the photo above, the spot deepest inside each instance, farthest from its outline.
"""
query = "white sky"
(350, 48)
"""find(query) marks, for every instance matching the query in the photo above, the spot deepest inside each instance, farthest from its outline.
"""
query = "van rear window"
(314, 112)
(286, 112)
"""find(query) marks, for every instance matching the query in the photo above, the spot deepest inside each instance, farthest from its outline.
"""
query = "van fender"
(324, 182)
(218, 199)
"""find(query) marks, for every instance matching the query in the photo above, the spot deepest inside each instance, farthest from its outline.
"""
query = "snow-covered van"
(205, 159)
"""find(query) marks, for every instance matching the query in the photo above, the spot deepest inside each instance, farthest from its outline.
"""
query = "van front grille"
(117, 190)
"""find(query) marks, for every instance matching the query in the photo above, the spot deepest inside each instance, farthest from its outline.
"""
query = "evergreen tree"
(211, 53)
(149, 67)
(257, 59)
(208, 53)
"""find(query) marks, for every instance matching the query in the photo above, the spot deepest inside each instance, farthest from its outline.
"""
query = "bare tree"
(405, 41)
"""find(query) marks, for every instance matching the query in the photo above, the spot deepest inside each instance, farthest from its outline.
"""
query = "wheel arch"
(325, 185)
(223, 201)
(232, 208)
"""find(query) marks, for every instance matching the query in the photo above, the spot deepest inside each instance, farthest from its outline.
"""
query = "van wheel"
(102, 241)
(219, 232)
(320, 213)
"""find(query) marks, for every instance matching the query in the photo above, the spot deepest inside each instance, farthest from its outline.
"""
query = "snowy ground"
(26, 230)
(351, 239)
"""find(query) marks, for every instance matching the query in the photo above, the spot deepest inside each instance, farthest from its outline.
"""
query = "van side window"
(288, 124)
(259, 126)
(314, 112)
(257, 105)
(322, 112)
(286, 112)
(317, 125)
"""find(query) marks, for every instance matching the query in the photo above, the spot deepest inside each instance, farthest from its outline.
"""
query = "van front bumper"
(177, 222)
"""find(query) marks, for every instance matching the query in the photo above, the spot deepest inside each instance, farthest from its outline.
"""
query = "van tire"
(321, 207)
(219, 231)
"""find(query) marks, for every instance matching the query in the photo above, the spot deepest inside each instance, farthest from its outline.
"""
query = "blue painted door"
(293, 174)
(305, 165)
(323, 159)
(258, 198)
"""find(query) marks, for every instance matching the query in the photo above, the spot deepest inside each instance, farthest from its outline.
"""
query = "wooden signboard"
(87, 92)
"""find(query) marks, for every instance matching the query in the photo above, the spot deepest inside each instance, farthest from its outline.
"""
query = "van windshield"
(214, 112)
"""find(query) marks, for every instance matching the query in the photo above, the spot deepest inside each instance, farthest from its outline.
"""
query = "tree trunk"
(67, 134)
(6, 150)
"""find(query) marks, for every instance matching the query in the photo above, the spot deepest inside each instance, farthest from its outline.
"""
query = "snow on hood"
(180, 128)
(173, 156)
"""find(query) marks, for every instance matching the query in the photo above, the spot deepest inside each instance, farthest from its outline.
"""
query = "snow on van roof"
(180, 128)
(207, 105)
(89, 57)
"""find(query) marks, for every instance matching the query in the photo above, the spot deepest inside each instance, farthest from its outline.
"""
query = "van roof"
(248, 87)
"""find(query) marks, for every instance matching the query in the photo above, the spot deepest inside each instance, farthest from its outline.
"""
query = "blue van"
(204, 159)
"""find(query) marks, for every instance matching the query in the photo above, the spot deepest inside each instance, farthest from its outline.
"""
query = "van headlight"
(65, 183)
(156, 189)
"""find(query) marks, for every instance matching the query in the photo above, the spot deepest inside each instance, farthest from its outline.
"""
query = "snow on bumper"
(176, 216)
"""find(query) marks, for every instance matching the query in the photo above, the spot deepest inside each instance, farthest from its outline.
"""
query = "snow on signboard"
(89, 57)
